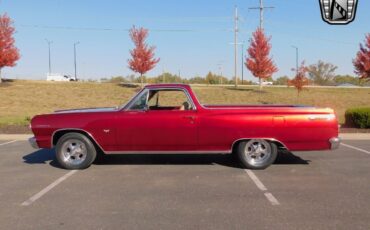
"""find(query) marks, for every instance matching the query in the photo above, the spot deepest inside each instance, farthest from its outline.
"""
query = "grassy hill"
(20, 100)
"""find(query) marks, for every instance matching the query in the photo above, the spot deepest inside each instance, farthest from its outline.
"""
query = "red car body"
(205, 129)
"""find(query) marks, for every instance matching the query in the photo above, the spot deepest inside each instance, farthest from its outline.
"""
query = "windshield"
(139, 101)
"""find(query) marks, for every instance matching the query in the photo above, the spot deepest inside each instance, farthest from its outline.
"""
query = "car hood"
(87, 110)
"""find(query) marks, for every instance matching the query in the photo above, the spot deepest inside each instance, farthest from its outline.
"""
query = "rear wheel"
(75, 151)
(257, 153)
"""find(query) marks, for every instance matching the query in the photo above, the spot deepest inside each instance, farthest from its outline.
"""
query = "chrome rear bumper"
(33, 142)
(335, 142)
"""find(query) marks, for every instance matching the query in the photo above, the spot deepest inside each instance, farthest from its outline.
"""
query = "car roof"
(173, 85)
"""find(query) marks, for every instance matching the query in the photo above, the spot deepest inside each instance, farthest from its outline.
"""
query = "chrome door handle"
(189, 117)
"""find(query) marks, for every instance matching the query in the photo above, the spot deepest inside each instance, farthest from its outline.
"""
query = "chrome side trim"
(33, 142)
(169, 152)
(75, 129)
(264, 138)
(335, 142)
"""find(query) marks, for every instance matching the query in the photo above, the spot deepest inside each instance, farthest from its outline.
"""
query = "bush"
(358, 117)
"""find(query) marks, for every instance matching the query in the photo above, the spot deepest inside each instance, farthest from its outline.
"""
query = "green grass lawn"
(20, 100)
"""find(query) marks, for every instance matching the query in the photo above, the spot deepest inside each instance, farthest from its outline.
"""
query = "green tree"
(197, 80)
(223, 80)
(322, 73)
(283, 80)
(168, 78)
(117, 79)
(341, 79)
(131, 78)
(211, 78)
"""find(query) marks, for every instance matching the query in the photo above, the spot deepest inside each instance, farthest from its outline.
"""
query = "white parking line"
(271, 198)
(48, 188)
(9, 142)
(262, 187)
(255, 179)
(355, 148)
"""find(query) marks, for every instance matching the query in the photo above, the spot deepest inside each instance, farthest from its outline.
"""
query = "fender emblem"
(106, 130)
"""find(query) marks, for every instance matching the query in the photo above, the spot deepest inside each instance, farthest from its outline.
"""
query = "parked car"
(267, 83)
(60, 77)
(264, 83)
(168, 118)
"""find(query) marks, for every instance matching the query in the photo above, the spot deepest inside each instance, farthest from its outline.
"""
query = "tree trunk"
(1, 79)
(141, 80)
(260, 84)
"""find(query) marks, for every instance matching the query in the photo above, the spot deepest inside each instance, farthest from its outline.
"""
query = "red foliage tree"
(362, 60)
(259, 62)
(300, 79)
(8, 52)
(142, 55)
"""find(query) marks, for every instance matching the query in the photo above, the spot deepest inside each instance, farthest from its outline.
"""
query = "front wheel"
(75, 151)
(257, 153)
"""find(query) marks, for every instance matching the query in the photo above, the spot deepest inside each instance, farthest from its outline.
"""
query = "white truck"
(59, 77)
(264, 83)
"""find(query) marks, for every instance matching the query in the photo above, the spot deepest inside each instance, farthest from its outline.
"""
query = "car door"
(164, 127)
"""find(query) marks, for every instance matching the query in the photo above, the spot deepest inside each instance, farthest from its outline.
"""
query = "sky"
(191, 37)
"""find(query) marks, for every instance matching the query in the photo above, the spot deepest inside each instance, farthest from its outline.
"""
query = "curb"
(18, 137)
(355, 136)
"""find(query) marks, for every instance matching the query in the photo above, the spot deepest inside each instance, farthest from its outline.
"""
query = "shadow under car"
(45, 156)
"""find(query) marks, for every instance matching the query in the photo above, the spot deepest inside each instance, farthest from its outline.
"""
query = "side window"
(174, 98)
(140, 102)
(169, 100)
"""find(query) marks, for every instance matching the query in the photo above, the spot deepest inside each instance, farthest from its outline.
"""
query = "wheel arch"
(57, 134)
(278, 143)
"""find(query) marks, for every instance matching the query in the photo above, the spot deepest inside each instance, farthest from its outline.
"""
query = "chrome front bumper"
(33, 142)
(335, 142)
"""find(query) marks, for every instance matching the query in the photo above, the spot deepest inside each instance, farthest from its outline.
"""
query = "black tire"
(100, 156)
(83, 159)
(246, 156)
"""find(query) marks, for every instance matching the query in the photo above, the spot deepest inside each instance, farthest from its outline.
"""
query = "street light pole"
(261, 8)
(49, 42)
(296, 58)
(220, 73)
(235, 46)
(242, 62)
(242, 65)
(75, 61)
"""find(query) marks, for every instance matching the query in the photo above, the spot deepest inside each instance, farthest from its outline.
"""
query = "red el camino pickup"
(168, 118)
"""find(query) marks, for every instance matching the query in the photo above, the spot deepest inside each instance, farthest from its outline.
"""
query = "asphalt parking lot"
(304, 190)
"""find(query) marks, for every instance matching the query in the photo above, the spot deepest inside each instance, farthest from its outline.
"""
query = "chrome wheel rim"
(257, 152)
(74, 151)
